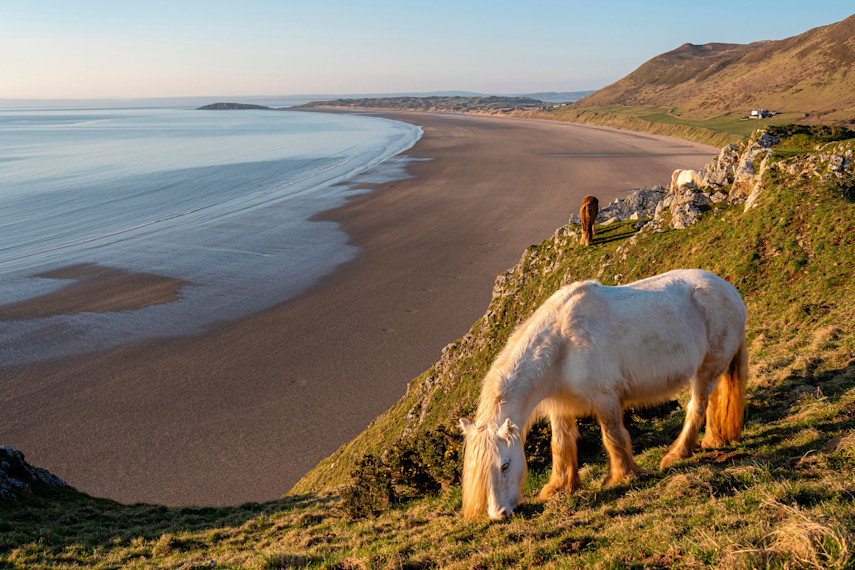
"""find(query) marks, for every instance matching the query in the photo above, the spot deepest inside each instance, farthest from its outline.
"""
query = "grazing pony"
(594, 350)
(588, 214)
(680, 177)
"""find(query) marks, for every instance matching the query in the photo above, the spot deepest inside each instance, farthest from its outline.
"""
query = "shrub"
(427, 461)
(370, 490)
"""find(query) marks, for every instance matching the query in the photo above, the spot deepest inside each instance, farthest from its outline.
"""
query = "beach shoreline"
(240, 412)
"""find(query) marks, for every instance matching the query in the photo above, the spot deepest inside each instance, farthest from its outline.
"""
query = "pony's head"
(494, 468)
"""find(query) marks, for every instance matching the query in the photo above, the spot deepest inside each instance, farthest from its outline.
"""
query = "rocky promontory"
(232, 107)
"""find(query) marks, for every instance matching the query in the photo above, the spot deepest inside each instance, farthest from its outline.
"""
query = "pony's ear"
(508, 430)
(465, 426)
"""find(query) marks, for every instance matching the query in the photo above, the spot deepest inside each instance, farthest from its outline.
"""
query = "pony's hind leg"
(565, 464)
(685, 444)
(617, 442)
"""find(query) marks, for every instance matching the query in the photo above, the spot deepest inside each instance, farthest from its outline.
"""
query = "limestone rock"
(684, 215)
(689, 195)
(767, 140)
(719, 172)
(18, 476)
(638, 204)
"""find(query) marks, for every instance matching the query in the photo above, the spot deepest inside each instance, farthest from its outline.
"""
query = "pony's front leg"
(565, 464)
(617, 442)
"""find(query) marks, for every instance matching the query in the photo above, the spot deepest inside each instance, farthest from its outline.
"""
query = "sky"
(171, 48)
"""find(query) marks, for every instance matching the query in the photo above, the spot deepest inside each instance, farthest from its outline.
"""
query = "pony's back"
(691, 309)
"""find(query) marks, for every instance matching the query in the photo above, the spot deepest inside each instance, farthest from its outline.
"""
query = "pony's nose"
(503, 513)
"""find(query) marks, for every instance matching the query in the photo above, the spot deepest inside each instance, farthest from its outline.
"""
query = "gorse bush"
(413, 466)
(370, 491)
(429, 460)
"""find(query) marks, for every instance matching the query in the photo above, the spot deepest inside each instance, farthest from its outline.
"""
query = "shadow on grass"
(58, 518)
(616, 231)
(769, 405)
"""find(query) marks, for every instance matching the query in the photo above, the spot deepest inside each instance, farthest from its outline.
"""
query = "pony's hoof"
(669, 460)
(712, 443)
(550, 491)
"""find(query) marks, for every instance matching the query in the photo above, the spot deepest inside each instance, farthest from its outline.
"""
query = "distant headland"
(230, 107)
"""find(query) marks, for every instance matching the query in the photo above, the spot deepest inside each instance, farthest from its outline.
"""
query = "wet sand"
(241, 412)
(96, 289)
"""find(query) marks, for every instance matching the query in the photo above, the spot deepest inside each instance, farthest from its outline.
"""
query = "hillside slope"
(811, 73)
(789, 265)
(783, 497)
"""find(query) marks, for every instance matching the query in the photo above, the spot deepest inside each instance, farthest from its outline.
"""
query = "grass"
(715, 131)
(784, 497)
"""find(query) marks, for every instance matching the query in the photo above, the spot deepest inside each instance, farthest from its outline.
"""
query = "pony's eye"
(505, 465)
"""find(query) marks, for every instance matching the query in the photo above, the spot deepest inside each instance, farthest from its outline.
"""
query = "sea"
(220, 199)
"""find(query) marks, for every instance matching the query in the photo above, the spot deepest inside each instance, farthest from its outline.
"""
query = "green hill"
(809, 74)
(706, 92)
(782, 498)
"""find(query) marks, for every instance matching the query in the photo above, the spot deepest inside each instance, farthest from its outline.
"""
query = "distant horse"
(680, 177)
(594, 350)
(588, 214)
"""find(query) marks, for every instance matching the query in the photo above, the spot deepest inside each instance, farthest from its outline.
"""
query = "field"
(716, 131)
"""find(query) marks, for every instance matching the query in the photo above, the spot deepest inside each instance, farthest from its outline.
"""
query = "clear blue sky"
(88, 49)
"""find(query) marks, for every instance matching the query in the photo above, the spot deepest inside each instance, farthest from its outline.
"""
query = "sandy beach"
(240, 412)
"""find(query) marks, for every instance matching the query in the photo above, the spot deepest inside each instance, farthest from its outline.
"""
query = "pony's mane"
(481, 454)
(531, 349)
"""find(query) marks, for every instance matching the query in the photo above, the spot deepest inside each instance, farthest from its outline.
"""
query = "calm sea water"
(218, 198)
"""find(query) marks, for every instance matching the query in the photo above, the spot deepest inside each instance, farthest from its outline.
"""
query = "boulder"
(684, 215)
(767, 140)
(746, 178)
(638, 204)
(18, 476)
(719, 171)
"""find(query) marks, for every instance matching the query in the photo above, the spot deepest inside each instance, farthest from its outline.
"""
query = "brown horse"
(588, 213)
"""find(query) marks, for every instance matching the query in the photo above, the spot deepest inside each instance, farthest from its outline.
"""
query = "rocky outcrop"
(741, 167)
(734, 177)
(638, 204)
(832, 164)
(17, 476)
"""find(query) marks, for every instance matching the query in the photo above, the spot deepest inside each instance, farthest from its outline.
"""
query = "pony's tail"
(587, 234)
(726, 408)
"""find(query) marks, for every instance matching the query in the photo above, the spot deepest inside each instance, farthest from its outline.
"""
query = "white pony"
(680, 177)
(593, 350)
